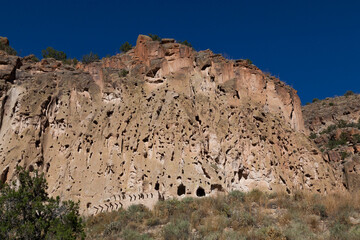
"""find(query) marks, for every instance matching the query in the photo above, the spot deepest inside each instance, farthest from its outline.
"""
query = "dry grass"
(253, 215)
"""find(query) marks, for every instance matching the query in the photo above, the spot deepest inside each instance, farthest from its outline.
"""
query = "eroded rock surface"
(157, 122)
(334, 125)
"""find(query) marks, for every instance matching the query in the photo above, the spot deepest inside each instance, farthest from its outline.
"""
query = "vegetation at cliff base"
(27, 212)
(238, 215)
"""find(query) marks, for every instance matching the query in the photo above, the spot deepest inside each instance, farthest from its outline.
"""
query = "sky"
(313, 46)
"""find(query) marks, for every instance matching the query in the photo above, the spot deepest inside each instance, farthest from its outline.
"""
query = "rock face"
(334, 124)
(159, 121)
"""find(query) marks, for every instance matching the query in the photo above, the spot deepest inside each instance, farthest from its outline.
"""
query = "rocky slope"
(159, 121)
(334, 125)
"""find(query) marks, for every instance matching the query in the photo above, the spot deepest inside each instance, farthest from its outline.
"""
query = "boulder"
(4, 41)
(334, 156)
(8, 66)
(352, 174)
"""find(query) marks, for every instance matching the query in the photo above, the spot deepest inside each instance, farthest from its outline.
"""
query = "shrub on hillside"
(155, 37)
(315, 100)
(89, 58)
(130, 234)
(349, 93)
(70, 61)
(27, 212)
(50, 52)
(177, 230)
(313, 136)
(123, 73)
(329, 129)
(236, 196)
(125, 47)
(186, 43)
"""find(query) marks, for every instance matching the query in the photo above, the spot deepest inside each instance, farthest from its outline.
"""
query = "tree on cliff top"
(50, 52)
(125, 47)
(27, 212)
(89, 58)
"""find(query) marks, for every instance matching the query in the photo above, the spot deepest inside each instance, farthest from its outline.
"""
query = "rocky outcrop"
(4, 41)
(334, 125)
(8, 66)
(159, 121)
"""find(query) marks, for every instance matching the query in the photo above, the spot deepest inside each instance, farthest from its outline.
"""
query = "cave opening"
(200, 192)
(181, 190)
(157, 186)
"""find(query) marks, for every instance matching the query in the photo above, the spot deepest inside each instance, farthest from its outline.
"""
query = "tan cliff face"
(180, 123)
(334, 124)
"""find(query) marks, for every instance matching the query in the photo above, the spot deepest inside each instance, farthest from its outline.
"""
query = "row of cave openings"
(200, 192)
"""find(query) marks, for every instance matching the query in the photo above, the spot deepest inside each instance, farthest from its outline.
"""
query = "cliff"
(334, 125)
(159, 121)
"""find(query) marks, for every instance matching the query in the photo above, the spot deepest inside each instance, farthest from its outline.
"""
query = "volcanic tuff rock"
(334, 124)
(159, 121)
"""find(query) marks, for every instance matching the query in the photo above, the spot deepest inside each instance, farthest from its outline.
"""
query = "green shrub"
(27, 212)
(356, 138)
(155, 37)
(349, 93)
(331, 104)
(130, 234)
(178, 230)
(329, 129)
(320, 210)
(344, 155)
(338, 231)
(123, 73)
(298, 231)
(70, 61)
(269, 233)
(342, 124)
(138, 213)
(211, 236)
(354, 233)
(89, 58)
(173, 208)
(242, 218)
(255, 195)
(232, 235)
(50, 52)
(186, 43)
(332, 143)
(315, 100)
(135, 215)
(154, 221)
(114, 227)
(313, 135)
(125, 47)
(237, 196)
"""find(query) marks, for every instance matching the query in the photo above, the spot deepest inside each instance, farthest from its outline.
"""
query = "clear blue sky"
(314, 46)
